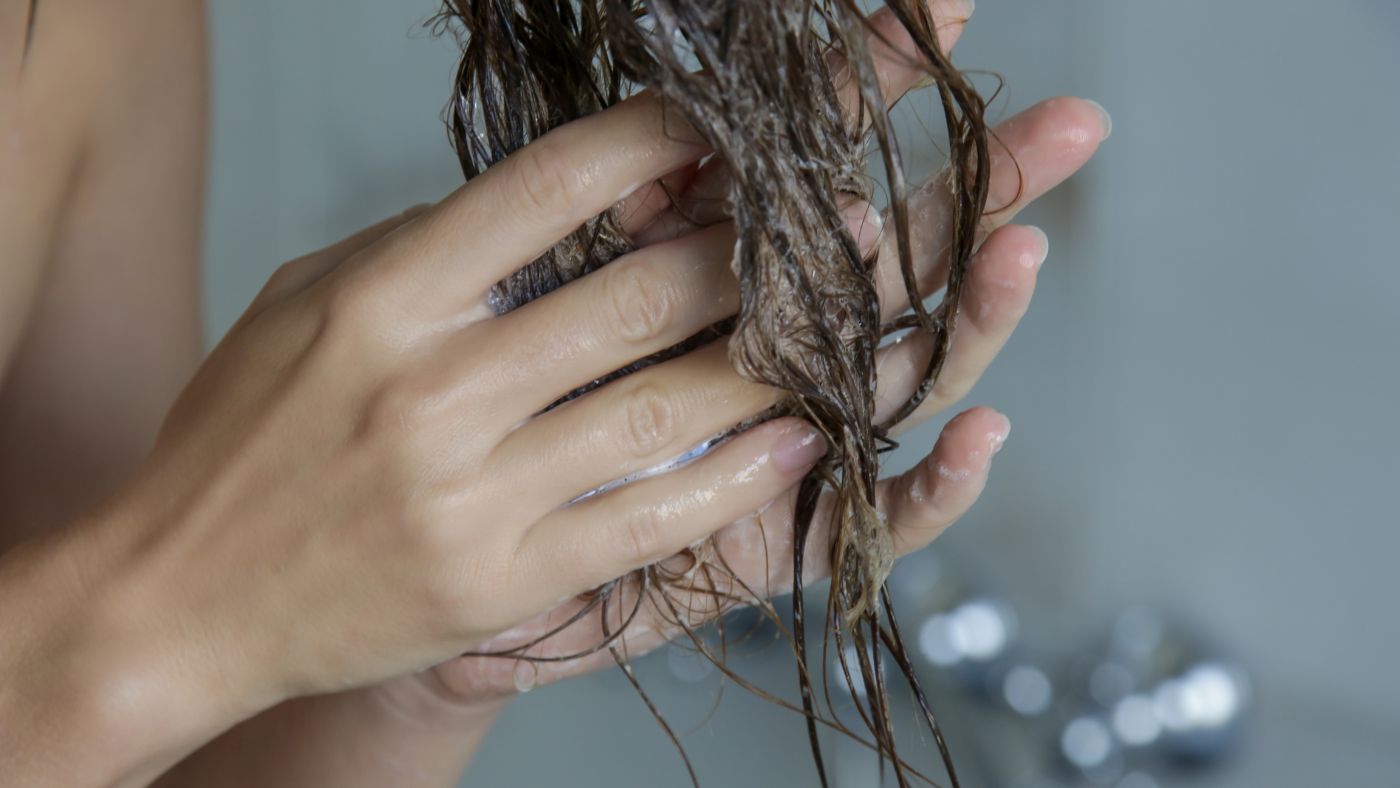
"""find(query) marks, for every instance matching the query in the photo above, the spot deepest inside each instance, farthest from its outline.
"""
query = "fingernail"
(797, 449)
(1107, 119)
(997, 437)
(1038, 259)
(865, 223)
(971, 6)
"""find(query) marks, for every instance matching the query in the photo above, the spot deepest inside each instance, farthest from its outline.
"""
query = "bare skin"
(187, 605)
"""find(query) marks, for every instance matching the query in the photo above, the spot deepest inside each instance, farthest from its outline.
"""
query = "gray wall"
(1203, 394)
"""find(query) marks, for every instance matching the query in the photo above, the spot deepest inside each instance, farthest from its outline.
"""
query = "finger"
(918, 505)
(643, 303)
(562, 642)
(569, 640)
(607, 536)
(751, 560)
(922, 502)
(631, 425)
(297, 275)
(640, 208)
(1030, 154)
(899, 67)
(998, 292)
(524, 204)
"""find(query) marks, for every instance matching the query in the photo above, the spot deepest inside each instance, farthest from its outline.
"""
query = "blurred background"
(1184, 571)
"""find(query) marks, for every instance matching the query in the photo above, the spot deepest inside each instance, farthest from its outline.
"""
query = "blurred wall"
(1203, 395)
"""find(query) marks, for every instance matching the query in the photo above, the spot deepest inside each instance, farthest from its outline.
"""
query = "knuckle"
(286, 282)
(396, 412)
(544, 177)
(350, 307)
(947, 390)
(642, 306)
(444, 596)
(287, 274)
(641, 533)
(462, 581)
(650, 420)
(435, 534)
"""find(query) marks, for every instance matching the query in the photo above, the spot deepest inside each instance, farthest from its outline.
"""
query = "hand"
(1048, 143)
(353, 486)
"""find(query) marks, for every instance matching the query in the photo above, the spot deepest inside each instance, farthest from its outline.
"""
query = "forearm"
(398, 734)
(101, 685)
(85, 699)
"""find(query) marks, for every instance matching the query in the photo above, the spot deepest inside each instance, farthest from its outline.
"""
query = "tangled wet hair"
(754, 80)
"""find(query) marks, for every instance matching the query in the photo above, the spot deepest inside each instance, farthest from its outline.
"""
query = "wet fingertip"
(1105, 118)
(798, 449)
(1037, 258)
(994, 428)
(866, 224)
(996, 438)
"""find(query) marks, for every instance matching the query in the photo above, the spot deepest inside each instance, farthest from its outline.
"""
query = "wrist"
(95, 687)
(164, 651)
(78, 708)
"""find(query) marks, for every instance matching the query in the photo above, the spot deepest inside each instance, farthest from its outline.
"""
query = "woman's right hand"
(352, 487)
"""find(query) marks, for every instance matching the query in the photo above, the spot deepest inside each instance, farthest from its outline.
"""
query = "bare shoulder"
(102, 135)
(93, 78)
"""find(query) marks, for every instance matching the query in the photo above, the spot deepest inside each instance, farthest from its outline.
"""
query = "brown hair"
(752, 78)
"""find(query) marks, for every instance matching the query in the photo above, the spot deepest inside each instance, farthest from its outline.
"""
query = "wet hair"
(753, 79)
